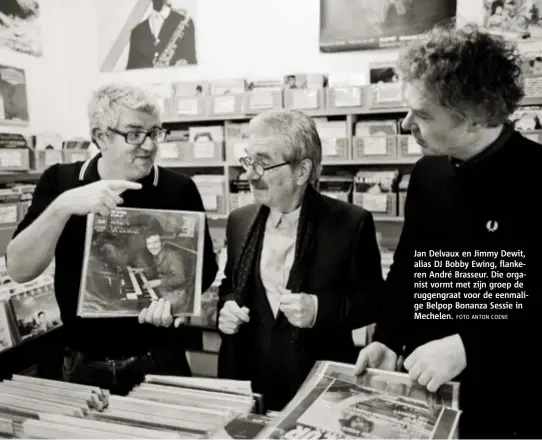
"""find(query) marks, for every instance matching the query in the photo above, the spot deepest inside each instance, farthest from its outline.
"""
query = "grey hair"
(299, 133)
(109, 101)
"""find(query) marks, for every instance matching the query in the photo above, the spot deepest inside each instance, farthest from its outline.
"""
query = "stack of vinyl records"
(192, 407)
(160, 407)
(26, 403)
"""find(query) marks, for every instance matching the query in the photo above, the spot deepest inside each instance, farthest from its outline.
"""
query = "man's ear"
(305, 171)
(99, 137)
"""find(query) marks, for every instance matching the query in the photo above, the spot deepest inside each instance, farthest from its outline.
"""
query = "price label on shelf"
(375, 202)
(11, 158)
(375, 146)
(168, 150)
(305, 99)
(388, 93)
(204, 150)
(329, 147)
(53, 157)
(347, 96)
(224, 104)
(8, 214)
(187, 106)
(533, 87)
(261, 99)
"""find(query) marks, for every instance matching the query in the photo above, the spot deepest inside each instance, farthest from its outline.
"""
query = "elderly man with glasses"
(303, 270)
(112, 353)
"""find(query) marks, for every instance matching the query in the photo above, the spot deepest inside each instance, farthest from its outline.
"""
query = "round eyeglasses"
(259, 168)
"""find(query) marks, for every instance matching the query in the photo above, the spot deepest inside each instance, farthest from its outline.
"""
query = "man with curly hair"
(461, 86)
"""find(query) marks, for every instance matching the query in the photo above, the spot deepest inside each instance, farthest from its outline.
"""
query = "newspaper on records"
(335, 403)
(135, 256)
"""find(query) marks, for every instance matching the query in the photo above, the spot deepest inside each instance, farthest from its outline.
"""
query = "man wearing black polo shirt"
(474, 195)
(113, 353)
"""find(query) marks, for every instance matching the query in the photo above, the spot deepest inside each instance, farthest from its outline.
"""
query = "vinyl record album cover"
(35, 308)
(135, 256)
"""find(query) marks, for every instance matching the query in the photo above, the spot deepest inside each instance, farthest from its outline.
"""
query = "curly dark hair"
(476, 74)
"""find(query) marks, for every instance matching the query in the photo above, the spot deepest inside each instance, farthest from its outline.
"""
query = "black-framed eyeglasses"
(139, 137)
(258, 167)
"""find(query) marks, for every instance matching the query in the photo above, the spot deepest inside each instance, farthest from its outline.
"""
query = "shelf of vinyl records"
(318, 95)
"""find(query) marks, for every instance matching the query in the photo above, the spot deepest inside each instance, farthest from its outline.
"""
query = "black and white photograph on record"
(334, 403)
(147, 34)
(13, 95)
(531, 54)
(385, 81)
(135, 256)
(527, 118)
(518, 20)
(20, 26)
(532, 63)
(399, 384)
(383, 73)
(357, 412)
(347, 25)
(36, 310)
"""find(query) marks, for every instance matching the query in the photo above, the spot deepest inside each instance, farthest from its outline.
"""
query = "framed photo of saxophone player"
(147, 34)
(135, 256)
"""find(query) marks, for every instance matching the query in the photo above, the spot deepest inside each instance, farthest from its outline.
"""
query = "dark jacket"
(489, 204)
(143, 46)
(342, 269)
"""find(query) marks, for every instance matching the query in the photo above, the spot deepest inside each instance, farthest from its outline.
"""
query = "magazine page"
(334, 403)
(135, 256)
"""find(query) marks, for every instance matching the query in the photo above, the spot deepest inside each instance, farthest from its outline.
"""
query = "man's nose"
(250, 174)
(149, 144)
(407, 124)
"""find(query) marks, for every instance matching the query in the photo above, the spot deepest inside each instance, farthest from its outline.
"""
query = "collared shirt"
(278, 252)
(504, 136)
(157, 19)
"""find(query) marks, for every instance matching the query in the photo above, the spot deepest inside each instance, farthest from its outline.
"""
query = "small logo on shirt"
(492, 225)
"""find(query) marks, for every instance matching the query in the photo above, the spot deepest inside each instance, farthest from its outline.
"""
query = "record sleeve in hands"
(135, 256)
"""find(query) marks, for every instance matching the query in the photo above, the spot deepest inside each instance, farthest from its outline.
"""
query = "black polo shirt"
(162, 189)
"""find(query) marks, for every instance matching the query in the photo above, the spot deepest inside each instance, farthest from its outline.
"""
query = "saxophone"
(164, 59)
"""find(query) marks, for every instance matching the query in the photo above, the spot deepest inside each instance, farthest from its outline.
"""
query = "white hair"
(299, 133)
(109, 101)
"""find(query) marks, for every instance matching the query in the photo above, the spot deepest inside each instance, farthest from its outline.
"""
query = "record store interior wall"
(234, 39)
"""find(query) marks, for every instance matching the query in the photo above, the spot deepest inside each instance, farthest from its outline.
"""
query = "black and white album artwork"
(135, 256)
(347, 25)
(35, 307)
(146, 34)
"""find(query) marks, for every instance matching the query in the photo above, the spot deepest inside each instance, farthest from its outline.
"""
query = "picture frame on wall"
(13, 96)
(147, 34)
(347, 25)
(20, 26)
(517, 20)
